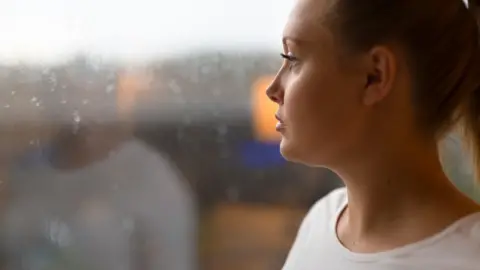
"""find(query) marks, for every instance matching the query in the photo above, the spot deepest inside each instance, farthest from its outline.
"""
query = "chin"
(290, 151)
(297, 154)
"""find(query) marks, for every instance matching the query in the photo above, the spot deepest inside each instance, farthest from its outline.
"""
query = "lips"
(280, 126)
(278, 118)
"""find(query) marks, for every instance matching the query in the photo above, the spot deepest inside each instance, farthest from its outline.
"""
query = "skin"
(352, 113)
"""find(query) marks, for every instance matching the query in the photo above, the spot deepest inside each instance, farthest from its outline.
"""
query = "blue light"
(260, 155)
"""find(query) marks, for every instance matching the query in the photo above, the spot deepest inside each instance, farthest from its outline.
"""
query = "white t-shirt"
(317, 246)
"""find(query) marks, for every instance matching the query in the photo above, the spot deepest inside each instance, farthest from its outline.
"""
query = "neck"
(387, 189)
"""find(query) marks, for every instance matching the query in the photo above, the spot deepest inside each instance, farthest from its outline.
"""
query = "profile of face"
(320, 109)
(326, 96)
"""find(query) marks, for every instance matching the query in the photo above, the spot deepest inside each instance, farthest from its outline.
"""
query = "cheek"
(321, 109)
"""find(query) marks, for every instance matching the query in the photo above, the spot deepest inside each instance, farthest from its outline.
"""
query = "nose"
(275, 92)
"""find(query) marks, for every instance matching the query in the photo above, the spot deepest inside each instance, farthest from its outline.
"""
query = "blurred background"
(137, 135)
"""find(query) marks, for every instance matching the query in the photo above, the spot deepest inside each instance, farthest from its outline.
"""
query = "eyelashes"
(288, 57)
(292, 60)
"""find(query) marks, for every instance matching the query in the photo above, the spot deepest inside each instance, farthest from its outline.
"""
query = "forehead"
(307, 20)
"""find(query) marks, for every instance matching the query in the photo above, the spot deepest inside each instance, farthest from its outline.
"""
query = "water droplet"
(85, 101)
(76, 121)
(63, 101)
(13, 93)
(52, 90)
(7, 106)
(34, 99)
(110, 88)
(76, 117)
(37, 104)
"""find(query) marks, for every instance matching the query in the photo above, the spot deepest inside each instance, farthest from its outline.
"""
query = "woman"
(368, 89)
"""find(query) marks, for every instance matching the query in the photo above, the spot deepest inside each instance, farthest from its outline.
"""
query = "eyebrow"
(288, 41)
(291, 39)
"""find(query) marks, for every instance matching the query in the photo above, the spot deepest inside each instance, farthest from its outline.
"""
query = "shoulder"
(316, 224)
(155, 174)
(466, 232)
(140, 156)
(333, 201)
(322, 213)
(327, 207)
(134, 148)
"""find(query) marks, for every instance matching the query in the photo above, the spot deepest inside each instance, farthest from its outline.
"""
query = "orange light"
(263, 113)
(130, 85)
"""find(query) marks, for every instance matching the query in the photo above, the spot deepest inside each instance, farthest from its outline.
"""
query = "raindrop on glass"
(76, 121)
(13, 93)
(110, 88)
(76, 117)
(34, 99)
(53, 79)
(7, 106)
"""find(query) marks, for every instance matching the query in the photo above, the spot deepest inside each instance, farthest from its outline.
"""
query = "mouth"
(280, 126)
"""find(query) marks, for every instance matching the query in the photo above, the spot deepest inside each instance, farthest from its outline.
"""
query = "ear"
(380, 76)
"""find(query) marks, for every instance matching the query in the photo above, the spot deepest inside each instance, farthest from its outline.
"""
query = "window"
(137, 135)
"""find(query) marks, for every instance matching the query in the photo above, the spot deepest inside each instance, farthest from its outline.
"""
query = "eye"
(291, 59)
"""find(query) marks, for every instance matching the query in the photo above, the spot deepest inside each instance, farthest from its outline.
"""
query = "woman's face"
(320, 97)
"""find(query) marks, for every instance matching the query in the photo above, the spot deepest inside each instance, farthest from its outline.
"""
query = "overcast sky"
(32, 30)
